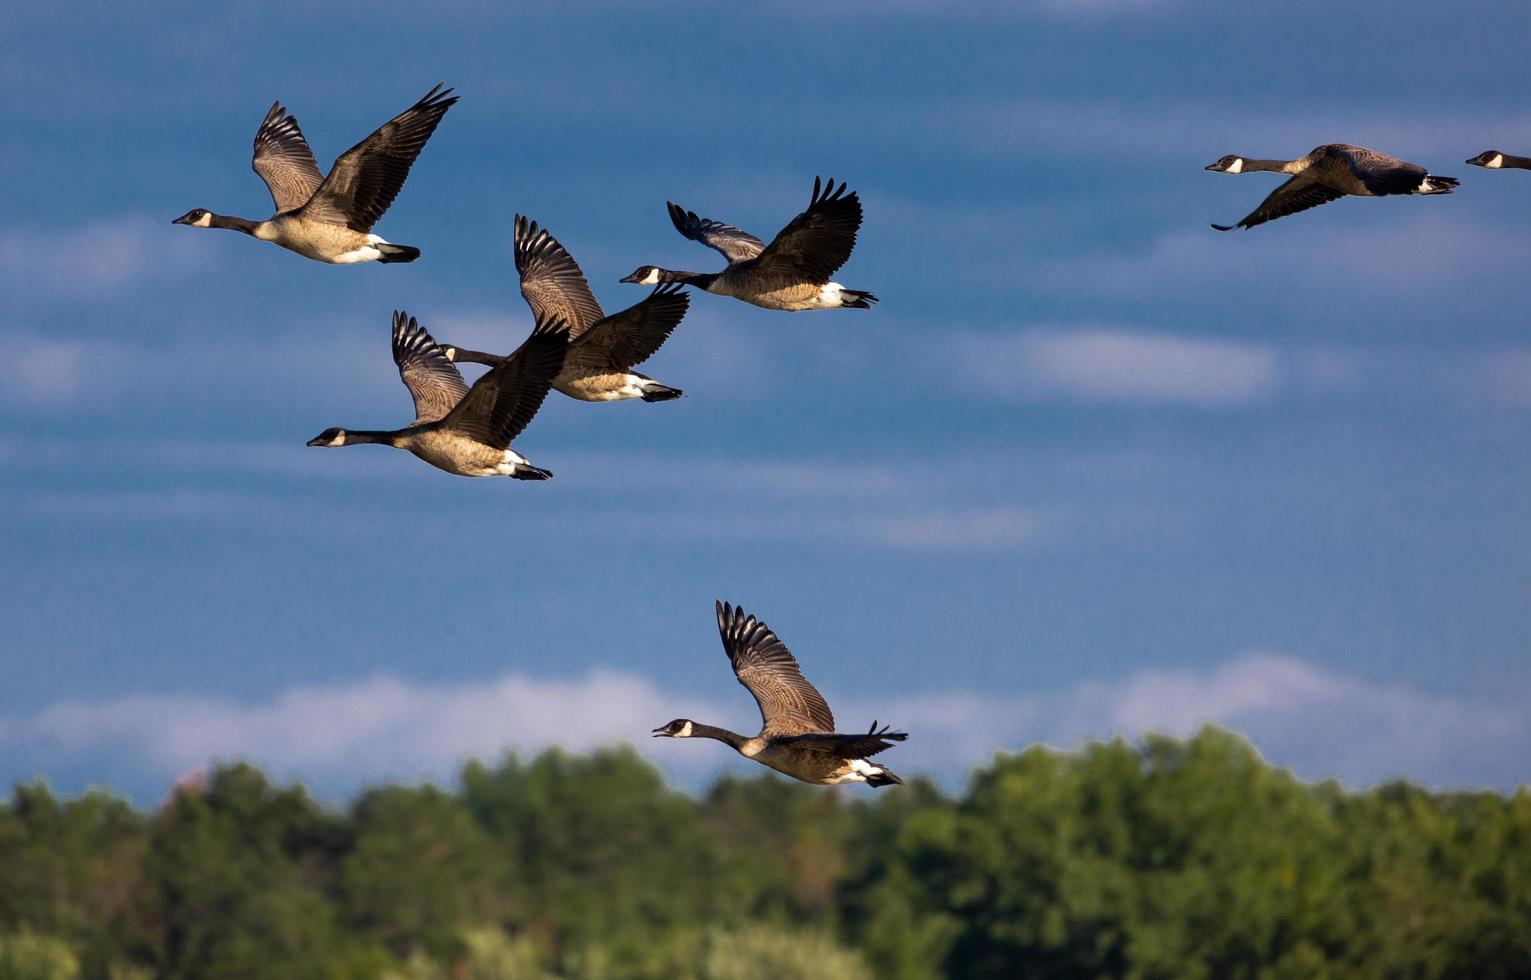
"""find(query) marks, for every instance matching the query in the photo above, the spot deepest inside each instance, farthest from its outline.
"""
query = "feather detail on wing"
(789, 705)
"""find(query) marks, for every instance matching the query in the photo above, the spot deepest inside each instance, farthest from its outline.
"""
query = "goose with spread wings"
(330, 218)
(603, 350)
(467, 431)
(798, 736)
(1330, 172)
(793, 272)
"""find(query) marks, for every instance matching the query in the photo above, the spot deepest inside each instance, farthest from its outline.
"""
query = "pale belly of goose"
(320, 241)
(793, 297)
(819, 768)
(461, 455)
(606, 386)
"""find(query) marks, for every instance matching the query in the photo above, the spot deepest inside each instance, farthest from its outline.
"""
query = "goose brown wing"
(1297, 194)
(817, 242)
(551, 281)
(284, 161)
(789, 705)
(627, 338)
(735, 244)
(433, 381)
(367, 177)
(1380, 173)
(501, 403)
(874, 740)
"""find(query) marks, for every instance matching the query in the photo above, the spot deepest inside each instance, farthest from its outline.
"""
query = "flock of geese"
(579, 350)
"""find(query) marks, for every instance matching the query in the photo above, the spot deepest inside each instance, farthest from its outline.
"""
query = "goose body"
(603, 350)
(466, 431)
(330, 218)
(1494, 160)
(797, 736)
(1328, 173)
(792, 273)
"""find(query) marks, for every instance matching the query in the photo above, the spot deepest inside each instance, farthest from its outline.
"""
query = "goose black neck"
(369, 436)
(1516, 163)
(698, 730)
(1272, 166)
(466, 356)
(233, 224)
(701, 280)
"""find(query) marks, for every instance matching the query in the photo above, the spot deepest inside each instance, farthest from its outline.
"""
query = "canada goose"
(603, 350)
(467, 431)
(798, 736)
(1494, 160)
(330, 219)
(792, 273)
(1327, 174)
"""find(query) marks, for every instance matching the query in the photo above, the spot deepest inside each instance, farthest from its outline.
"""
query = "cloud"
(1121, 365)
(38, 371)
(1320, 723)
(98, 257)
(1508, 377)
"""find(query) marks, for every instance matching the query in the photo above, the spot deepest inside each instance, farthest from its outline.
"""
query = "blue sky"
(1089, 468)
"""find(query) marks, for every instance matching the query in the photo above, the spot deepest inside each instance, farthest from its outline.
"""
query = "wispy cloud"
(1321, 723)
(1122, 365)
(96, 257)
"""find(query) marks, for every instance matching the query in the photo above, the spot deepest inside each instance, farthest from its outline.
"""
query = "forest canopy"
(1164, 858)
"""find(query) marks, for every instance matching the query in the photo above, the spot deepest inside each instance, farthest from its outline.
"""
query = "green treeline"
(1175, 859)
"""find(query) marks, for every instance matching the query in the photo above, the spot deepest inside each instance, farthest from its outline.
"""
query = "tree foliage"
(1170, 858)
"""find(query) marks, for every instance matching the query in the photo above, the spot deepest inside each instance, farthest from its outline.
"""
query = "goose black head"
(196, 218)
(1490, 159)
(329, 437)
(1230, 164)
(679, 728)
(644, 275)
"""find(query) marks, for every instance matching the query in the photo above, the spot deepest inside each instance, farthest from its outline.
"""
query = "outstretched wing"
(367, 177)
(875, 740)
(433, 381)
(817, 242)
(626, 339)
(789, 705)
(501, 403)
(1297, 194)
(284, 161)
(551, 281)
(736, 245)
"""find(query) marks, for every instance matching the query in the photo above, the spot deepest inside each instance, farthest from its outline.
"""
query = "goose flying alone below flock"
(603, 350)
(793, 272)
(1330, 172)
(797, 735)
(1494, 160)
(330, 219)
(467, 431)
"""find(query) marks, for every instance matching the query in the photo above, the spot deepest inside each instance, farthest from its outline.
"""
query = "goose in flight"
(1494, 160)
(798, 734)
(467, 431)
(1329, 173)
(603, 350)
(793, 272)
(330, 219)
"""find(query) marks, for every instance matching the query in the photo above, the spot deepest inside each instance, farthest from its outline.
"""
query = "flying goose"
(1327, 174)
(603, 350)
(1494, 160)
(467, 431)
(798, 736)
(330, 219)
(792, 273)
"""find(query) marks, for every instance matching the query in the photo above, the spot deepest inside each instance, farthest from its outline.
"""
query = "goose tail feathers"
(396, 253)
